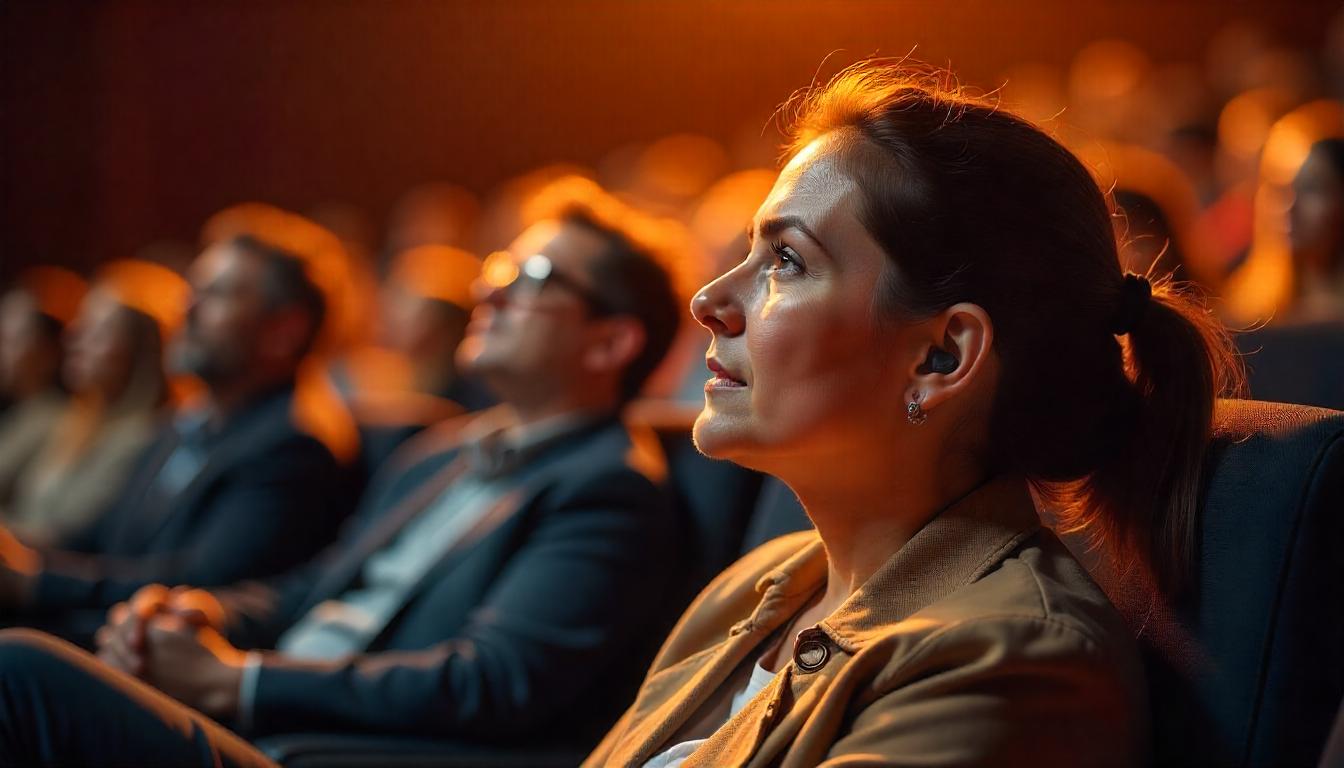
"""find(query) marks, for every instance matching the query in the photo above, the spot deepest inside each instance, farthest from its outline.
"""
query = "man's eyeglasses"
(524, 281)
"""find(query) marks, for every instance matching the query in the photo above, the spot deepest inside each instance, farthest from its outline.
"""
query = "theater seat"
(777, 512)
(1249, 670)
(327, 750)
(1297, 363)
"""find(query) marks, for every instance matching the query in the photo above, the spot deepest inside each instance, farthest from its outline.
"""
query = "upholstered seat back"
(1249, 668)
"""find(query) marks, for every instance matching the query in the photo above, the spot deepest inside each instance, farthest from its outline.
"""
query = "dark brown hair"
(634, 274)
(287, 283)
(973, 204)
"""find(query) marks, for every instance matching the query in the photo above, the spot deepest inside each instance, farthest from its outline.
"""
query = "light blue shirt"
(346, 625)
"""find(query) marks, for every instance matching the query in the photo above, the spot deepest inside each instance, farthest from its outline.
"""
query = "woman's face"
(98, 347)
(800, 366)
(1316, 216)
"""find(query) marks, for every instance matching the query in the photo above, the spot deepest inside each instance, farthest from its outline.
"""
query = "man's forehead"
(565, 243)
(219, 261)
(534, 239)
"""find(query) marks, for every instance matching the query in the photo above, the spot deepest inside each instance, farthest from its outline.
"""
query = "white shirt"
(677, 754)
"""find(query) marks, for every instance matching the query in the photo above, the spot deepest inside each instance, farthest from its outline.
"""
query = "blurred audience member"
(1299, 358)
(114, 371)
(1316, 233)
(1155, 211)
(667, 175)
(32, 317)
(317, 407)
(432, 214)
(411, 379)
(355, 232)
(501, 585)
(232, 489)
(502, 216)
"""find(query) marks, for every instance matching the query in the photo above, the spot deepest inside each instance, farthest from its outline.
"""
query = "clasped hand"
(172, 639)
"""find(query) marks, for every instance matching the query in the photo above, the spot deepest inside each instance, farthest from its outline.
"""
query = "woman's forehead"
(814, 186)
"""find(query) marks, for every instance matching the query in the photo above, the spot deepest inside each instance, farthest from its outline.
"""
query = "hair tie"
(1135, 293)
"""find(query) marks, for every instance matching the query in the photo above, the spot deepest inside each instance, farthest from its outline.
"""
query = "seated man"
(233, 489)
(502, 580)
(410, 378)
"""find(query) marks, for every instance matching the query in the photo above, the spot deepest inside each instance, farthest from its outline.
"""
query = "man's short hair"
(636, 274)
(286, 283)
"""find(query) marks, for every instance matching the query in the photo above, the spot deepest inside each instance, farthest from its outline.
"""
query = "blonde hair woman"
(114, 370)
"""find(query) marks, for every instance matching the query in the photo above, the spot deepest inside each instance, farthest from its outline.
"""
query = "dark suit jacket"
(535, 624)
(267, 498)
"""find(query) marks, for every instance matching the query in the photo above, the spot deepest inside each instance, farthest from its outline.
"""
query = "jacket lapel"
(254, 430)
(377, 535)
(532, 482)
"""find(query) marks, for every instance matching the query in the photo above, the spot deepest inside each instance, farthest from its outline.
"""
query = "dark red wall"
(126, 122)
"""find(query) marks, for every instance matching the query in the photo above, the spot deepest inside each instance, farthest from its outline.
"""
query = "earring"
(914, 413)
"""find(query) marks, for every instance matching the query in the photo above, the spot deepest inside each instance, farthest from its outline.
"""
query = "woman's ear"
(955, 355)
(617, 343)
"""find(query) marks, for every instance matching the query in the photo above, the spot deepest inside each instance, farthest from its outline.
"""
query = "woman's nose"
(716, 307)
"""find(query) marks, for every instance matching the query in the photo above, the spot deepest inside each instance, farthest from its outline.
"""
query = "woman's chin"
(720, 438)
(713, 438)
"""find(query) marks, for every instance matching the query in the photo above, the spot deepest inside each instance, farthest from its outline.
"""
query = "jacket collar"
(958, 546)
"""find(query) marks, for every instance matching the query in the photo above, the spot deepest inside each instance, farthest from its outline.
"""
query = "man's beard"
(187, 356)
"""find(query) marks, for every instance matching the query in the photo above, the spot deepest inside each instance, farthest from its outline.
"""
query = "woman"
(33, 313)
(931, 318)
(114, 370)
(1316, 234)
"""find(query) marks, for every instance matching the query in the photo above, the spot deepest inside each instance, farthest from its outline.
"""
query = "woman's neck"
(862, 525)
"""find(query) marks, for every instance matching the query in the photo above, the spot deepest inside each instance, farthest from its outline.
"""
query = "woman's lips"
(722, 378)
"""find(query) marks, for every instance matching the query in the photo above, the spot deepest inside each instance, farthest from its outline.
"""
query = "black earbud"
(941, 362)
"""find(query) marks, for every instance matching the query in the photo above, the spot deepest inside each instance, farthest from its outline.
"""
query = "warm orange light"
(1244, 123)
(438, 272)
(149, 288)
(57, 291)
(499, 269)
(324, 257)
(1263, 286)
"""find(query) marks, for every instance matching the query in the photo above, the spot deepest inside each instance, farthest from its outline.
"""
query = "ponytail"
(1141, 501)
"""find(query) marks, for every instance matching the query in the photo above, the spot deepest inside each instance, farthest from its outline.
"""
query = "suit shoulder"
(436, 441)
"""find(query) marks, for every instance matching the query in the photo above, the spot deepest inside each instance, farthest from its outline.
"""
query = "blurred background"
(125, 126)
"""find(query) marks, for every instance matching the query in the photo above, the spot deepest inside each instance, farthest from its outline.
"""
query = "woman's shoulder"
(1038, 614)
(1029, 634)
(1041, 586)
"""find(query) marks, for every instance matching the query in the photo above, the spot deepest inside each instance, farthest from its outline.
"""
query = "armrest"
(339, 750)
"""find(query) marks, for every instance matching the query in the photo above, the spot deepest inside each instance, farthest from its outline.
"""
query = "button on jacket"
(981, 642)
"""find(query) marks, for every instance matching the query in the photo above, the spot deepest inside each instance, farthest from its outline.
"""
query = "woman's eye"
(786, 259)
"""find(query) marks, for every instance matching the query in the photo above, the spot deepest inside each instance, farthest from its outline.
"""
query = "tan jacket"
(981, 642)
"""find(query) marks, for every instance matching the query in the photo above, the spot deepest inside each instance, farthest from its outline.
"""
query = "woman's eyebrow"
(771, 227)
